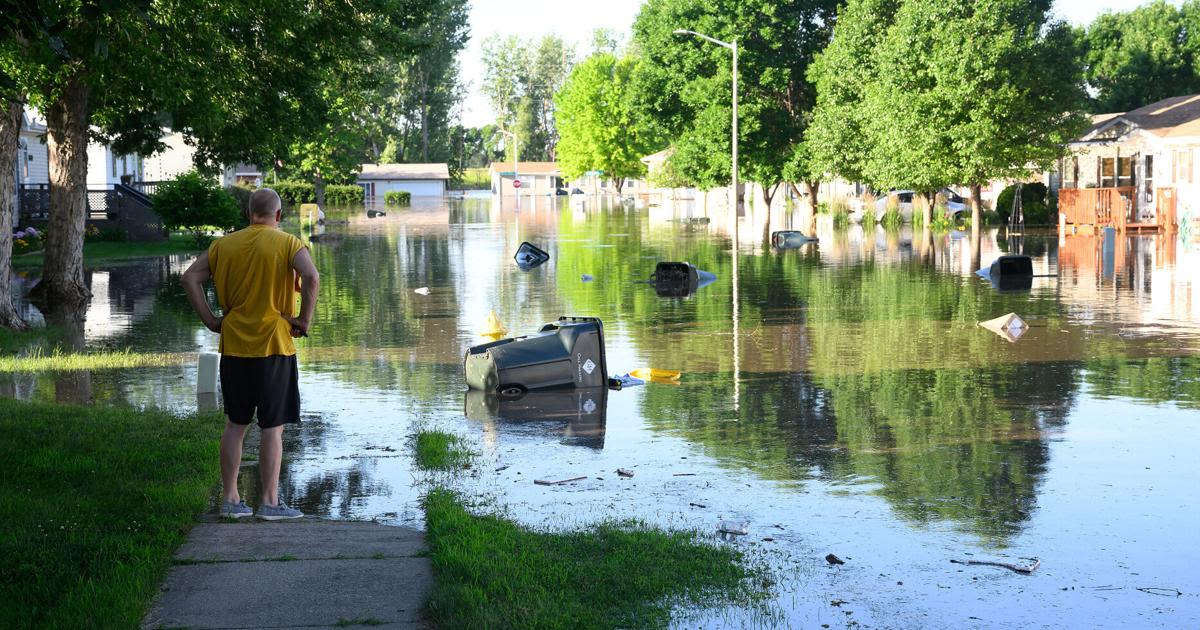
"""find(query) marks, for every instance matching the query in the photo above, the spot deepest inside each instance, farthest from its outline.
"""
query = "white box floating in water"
(1009, 326)
(206, 373)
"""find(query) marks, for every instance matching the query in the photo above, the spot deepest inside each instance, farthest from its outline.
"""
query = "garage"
(419, 180)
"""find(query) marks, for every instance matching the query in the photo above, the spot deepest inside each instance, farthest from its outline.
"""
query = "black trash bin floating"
(675, 279)
(1011, 273)
(566, 353)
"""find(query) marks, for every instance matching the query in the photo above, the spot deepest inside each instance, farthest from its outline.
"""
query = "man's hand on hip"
(215, 324)
(299, 326)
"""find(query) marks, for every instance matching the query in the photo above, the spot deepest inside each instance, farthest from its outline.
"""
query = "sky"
(574, 21)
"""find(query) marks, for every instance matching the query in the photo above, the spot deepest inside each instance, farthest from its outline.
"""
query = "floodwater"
(847, 402)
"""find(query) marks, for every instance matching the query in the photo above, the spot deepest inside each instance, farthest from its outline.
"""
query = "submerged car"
(955, 204)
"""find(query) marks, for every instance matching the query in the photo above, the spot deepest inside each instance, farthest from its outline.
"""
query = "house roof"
(404, 171)
(655, 158)
(1173, 117)
(526, 168)
(32, 121)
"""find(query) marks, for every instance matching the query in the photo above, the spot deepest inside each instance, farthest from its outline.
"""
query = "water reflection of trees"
(868, 370)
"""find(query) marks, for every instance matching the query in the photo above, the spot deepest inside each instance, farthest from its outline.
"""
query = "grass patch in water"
(93, 502)
(58, 361)
(492, 573)
(892, 219)
(439, 450)
(110, 251)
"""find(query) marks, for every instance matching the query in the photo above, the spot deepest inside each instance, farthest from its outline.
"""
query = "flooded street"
(846, 403)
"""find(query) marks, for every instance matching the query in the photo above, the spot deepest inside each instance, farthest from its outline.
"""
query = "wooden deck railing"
(1097, 206)
(1164, 211)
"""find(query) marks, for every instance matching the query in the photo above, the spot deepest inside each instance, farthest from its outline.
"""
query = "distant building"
(244, 174)
(419, 180)
(537, 178)
(33, 156)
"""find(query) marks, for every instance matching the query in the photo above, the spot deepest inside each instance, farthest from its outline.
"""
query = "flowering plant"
(26, 240)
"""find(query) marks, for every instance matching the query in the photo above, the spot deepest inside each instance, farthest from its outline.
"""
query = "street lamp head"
(682, 31)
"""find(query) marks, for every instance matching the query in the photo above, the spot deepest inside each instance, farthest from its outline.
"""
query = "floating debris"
(1011, 327)
(624, 472)
(734, 527)
(547, 482)
(832, 559)
(421, 291)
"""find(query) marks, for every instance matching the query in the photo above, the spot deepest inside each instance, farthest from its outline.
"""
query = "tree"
(243, 82)
(685, 83)
(520, 79)
(991, 92)
(10, 128)
(1142, 56)
(595, 121)
(196, 203)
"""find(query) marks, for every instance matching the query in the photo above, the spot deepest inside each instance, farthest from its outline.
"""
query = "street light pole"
(733, 195)
(732, 46)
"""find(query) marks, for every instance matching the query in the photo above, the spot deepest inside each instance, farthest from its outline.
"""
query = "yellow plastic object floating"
(655, 375)
(493, 329)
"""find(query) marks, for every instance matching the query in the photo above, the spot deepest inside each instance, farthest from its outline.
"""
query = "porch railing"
(1097, 206)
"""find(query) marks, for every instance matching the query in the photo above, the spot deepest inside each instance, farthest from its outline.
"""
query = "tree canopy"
(991, 92)
(520, 80)
(1137, 57)
(684, 83)
(596, 121)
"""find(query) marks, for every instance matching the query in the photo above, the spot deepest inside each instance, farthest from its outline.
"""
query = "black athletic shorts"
(270, 385)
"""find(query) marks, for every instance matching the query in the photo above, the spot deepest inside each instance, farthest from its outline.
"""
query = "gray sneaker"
(235, 510)
(277, 512)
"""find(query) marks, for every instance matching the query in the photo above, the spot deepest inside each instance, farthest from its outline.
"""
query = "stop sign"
(516, 183)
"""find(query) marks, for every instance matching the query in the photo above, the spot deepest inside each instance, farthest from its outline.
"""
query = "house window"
(1108, 172)
(1148, 174)
(1124, 171)
(1070, 172)
(1183, 166)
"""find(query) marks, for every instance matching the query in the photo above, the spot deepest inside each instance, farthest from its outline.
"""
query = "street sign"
(516, 183)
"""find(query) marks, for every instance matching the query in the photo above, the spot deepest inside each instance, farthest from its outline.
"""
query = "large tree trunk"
(67, 121)
(927, 211)
(424, 118)
(976, 206)
(10, 136)
(768, 195)
(618, 183)
(976, 220)
(808, 215)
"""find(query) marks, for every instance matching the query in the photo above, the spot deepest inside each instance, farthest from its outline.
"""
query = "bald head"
(264, 202)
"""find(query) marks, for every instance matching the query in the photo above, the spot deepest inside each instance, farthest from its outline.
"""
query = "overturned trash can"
(566, 353)
(790, 239)
(675, 279)
(529, 256)
(1011, 273)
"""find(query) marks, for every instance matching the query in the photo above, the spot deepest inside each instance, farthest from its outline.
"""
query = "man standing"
(257, 271)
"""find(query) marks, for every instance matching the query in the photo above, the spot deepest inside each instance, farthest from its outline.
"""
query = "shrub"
(241, 193)
(294, 192)
(892, 217)
(397, 197)
(343, 195)
(197, 204)
(108, 235)
(1035, 203)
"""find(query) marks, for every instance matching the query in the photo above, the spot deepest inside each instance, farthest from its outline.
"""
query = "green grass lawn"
(93, 502)
(490, 572)
(109, 251)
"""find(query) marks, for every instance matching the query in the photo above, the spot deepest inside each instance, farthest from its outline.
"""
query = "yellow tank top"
(256, 288)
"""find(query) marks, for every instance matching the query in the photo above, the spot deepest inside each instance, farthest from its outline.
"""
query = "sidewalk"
(309, 573)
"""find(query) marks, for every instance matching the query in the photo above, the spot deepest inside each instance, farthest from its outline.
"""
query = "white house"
(33, 156)
(176, 159)
(537, 178)
(419, 180)
(106, 168)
